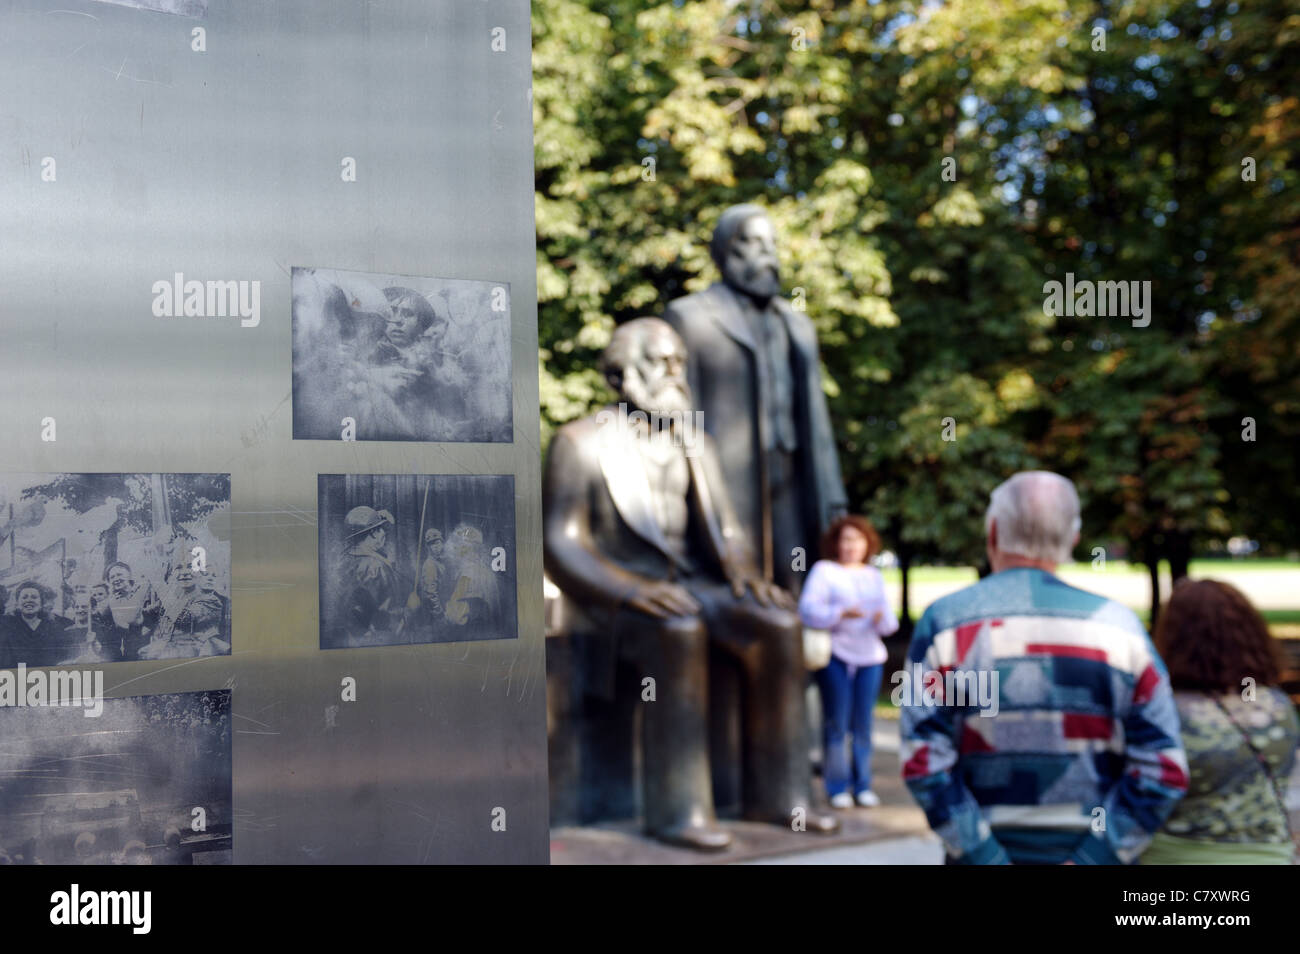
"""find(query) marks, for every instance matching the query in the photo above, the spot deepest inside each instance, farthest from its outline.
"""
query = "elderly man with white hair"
(1042, 729)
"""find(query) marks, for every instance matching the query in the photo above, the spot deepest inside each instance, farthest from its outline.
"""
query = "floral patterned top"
(1230, 798)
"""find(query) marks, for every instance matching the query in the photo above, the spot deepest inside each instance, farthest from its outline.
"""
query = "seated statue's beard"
(671, 397)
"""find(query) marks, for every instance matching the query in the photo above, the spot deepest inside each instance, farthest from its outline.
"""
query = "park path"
(919, 846)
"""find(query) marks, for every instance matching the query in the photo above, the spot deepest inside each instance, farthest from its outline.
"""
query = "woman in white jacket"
(845, 594)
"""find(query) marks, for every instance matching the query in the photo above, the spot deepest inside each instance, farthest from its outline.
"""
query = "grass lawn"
(932, 574)
(1210, 568)
(1283, 624)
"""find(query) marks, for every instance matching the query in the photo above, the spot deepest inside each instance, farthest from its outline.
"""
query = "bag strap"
(1262, 761)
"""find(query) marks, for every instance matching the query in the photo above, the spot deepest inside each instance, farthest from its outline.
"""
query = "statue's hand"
(784, 598)
(767, 594)
(663, 599)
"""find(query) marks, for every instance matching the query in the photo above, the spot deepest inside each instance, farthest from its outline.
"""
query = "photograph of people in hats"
(415, 559)
(397, 358)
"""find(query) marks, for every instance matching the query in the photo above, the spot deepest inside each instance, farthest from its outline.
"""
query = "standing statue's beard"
(758, 278)
(672, 395)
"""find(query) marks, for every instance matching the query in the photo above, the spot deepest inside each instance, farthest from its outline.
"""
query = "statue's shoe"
(821, 822)
(701, 837)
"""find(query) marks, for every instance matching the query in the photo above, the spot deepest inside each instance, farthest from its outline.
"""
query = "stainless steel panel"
(226, 165)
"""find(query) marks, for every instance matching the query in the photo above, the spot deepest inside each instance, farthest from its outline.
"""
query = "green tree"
(930, 167)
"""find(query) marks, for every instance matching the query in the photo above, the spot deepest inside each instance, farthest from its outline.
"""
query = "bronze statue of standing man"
(755, 372)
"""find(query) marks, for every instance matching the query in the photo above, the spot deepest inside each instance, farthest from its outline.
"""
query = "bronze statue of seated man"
(639, 530)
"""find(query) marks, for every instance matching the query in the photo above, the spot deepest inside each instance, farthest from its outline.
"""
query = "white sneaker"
(842, 800)
(868, 799)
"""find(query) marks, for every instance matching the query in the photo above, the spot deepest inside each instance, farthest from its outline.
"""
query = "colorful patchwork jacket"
(1073, 751)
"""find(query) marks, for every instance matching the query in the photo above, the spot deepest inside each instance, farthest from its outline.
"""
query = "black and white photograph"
(416, 559)
(98, 568)
(147, 782)
(397, 358)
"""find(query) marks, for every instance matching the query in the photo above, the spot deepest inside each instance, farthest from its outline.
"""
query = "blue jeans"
(847, 705)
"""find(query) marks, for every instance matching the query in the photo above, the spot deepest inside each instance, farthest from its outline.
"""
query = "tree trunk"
(1153, 568)
(905, 612)
(1180, 555)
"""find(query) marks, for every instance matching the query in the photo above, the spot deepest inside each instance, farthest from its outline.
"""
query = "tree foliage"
(929, 167)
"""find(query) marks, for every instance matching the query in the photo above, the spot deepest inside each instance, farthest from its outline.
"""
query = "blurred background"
(929, 167)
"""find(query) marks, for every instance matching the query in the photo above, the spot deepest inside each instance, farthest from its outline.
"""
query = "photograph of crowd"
(401, 359)
(147, 782)
(99, 568)
(416, 559)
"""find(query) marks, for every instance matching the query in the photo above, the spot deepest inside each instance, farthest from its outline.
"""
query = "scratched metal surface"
(226, 165)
